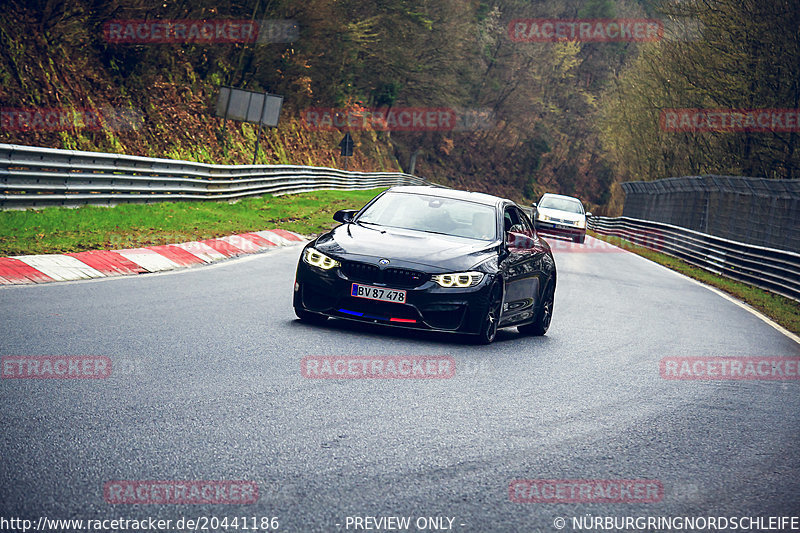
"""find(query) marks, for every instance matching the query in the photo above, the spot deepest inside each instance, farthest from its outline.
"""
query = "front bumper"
(554, 228)
(428, 306)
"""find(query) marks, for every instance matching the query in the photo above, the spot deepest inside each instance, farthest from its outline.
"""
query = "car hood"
(405, 248)
(563, 215)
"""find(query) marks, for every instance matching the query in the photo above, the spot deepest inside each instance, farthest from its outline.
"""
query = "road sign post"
(347, 148)
(258, 131)
(263, 109)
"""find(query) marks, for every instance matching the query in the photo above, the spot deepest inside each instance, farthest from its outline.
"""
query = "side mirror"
(589, 214)
(344, 216)
(503, 252)
(533, 204)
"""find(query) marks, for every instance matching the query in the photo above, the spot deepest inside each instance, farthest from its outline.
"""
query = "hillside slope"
(537, 101)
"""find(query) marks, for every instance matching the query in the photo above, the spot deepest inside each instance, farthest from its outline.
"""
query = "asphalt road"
(206, 385)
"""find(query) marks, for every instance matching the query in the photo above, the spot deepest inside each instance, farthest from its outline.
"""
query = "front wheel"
(492, 316)
(542, 322)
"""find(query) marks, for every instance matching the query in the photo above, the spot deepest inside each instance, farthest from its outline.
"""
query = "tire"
(492, 316)
(544, 314)
(308, 317)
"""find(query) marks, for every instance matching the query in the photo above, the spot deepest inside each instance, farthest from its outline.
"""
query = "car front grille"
(361, 271)
(400, 278)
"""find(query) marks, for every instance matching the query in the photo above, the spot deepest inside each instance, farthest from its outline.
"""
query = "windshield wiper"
(360, 223)
(437, 232)
(407, 229)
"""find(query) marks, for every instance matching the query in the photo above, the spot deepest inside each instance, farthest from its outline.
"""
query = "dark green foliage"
(548, 104)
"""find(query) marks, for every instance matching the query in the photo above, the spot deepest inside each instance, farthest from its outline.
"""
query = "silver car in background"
(561, 215)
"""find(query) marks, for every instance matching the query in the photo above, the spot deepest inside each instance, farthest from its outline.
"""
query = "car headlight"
(458, 279)
(544, 218)
(580, 223)
(316, 258)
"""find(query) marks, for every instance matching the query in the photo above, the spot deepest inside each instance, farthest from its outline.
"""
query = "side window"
(508, 220)
(527, 224)
(517, 221)
(518, 232)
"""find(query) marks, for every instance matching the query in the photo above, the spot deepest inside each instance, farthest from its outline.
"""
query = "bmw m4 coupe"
(430, 258)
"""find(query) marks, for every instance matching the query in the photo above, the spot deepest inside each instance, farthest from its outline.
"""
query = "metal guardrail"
(32, 177)
(759, 211)
(775, 270)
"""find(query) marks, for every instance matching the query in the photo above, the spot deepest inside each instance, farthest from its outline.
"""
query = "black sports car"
(430, 258)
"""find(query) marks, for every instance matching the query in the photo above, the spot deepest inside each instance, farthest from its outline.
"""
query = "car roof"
(561, 196)
(477, 197)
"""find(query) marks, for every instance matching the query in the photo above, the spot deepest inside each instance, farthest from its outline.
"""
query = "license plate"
(377, 293)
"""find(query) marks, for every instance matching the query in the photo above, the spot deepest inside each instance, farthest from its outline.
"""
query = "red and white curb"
(23, 269)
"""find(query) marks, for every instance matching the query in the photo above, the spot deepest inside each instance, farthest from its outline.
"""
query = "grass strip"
(782, 310)
(60, 230)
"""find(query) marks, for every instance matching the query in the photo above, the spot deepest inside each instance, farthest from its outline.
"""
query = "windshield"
(432, 214)
(561, 204)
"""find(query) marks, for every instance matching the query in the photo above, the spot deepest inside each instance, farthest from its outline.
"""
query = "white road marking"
(60, 267)
(200, 250)
(274, 238)
(148, 259)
